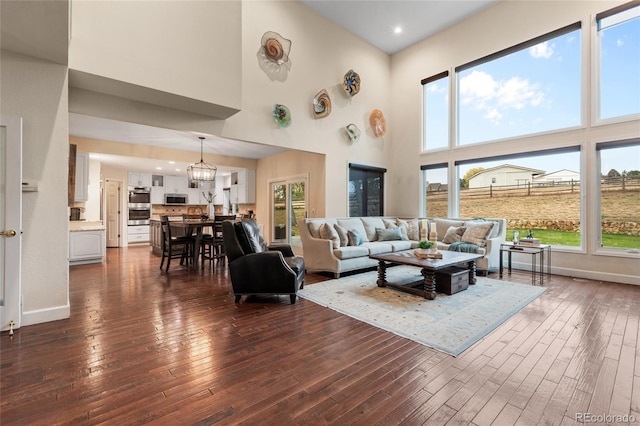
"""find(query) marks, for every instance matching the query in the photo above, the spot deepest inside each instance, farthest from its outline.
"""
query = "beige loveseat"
(328, 251)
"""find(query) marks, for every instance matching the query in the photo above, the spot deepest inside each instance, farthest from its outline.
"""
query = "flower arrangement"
(209, 196)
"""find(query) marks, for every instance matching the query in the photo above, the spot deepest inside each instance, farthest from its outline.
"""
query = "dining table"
(188, 227)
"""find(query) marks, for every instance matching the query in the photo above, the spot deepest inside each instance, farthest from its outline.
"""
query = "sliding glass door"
(288, 209)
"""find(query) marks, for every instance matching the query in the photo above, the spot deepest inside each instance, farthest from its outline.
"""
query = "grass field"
(617, 206)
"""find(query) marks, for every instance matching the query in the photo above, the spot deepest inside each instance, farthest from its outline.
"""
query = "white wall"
(186, 48)
(321, 54)
(36, 90)
(498, 27)
(92, 205)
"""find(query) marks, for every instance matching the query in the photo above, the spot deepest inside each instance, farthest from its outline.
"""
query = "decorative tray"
(427, 254)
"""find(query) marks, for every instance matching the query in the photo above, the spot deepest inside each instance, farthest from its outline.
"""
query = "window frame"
(424, 82)
(455, 94)
(596, 57)
(367, 170)
(596, 225)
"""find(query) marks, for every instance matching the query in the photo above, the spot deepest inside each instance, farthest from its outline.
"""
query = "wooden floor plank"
(147, 347)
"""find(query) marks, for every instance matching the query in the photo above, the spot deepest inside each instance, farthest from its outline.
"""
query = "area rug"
(448, 323)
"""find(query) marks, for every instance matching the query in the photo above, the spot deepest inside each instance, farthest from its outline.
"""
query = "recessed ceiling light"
(172, 162)
(177, 170)
(397, 29)
(158, 168)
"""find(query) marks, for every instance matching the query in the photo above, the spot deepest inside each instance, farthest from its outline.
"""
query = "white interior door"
(114, 213)
(10, 220)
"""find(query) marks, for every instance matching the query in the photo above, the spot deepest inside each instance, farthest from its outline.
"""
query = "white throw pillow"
(342, 234)
(354, 225)
(477, 233)
(453, 235)
(327, 232)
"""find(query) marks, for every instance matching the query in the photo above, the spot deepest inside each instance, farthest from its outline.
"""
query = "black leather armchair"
(258, 269)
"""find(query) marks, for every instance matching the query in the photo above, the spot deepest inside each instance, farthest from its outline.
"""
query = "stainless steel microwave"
(175, 199)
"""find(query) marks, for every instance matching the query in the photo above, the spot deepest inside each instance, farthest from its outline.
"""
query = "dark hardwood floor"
(144, 346)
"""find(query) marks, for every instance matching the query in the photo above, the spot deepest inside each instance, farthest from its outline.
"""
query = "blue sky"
(538, 89)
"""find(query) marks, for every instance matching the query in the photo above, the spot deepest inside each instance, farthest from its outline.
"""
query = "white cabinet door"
(86, 245)
(175, 185)
(244, 191)
(82, 177)
(157, 195)
(139, 179)
(145, 179)
(233, 194)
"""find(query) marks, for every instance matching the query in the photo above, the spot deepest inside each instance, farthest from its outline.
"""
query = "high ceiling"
(374, 21)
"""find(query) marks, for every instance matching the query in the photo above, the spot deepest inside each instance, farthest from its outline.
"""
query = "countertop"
(83, 225)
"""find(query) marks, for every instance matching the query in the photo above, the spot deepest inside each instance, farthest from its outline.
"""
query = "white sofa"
(322, 254)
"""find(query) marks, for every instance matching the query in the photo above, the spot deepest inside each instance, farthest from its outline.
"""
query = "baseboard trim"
(39, 316)
(580, 273)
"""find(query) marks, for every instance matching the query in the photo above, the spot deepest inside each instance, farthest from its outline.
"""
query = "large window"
(530, 88)
(619, 42)
(436, 111)
(620, 195)
(366, 190)
(537, 192)
(436, 190)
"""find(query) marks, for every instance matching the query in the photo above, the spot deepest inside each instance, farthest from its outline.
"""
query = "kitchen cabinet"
(155, 236)
(157, 195)
(218, 191)
(139, 179)
(82, 177)
(243, 187)
(176, 185)
(86, 246)
(138, 233)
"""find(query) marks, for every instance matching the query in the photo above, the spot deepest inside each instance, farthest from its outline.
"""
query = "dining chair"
(174, 247)
(207, 244)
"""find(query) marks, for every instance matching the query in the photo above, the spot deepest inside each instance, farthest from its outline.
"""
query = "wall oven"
(139, 205)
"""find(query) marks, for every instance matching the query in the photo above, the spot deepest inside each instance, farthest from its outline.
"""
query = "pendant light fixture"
(201, 171)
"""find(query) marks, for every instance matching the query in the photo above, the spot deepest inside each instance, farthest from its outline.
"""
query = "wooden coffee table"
(427, 286)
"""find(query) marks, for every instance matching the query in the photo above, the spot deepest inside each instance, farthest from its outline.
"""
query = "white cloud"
(436, 88)
(619, 42)
(541, 50)
(479, 90)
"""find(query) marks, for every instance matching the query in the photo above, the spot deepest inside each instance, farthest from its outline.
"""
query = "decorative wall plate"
(353, 132)
(282, 115)
(351, 83)
(276, 48)
(321, 104)
(378, 123)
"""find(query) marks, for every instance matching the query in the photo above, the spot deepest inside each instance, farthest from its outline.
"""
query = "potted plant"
(425, 249)
(424, 244)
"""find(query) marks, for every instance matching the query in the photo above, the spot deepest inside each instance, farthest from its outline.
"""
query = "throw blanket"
(463, 247)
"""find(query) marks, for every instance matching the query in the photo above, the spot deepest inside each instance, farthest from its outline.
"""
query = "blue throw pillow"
(390, 234)
(355, 239)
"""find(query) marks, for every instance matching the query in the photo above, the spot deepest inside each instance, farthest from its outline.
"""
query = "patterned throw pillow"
(477, 233)
(355, 239)
(413, 228)
(391, 234)
(327, 232)
(453, 235)
(401, 227)
(342, 234)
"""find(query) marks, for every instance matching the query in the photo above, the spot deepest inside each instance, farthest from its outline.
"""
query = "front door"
(10, 220)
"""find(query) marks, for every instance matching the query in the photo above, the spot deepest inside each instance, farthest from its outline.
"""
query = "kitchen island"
(86, 242)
